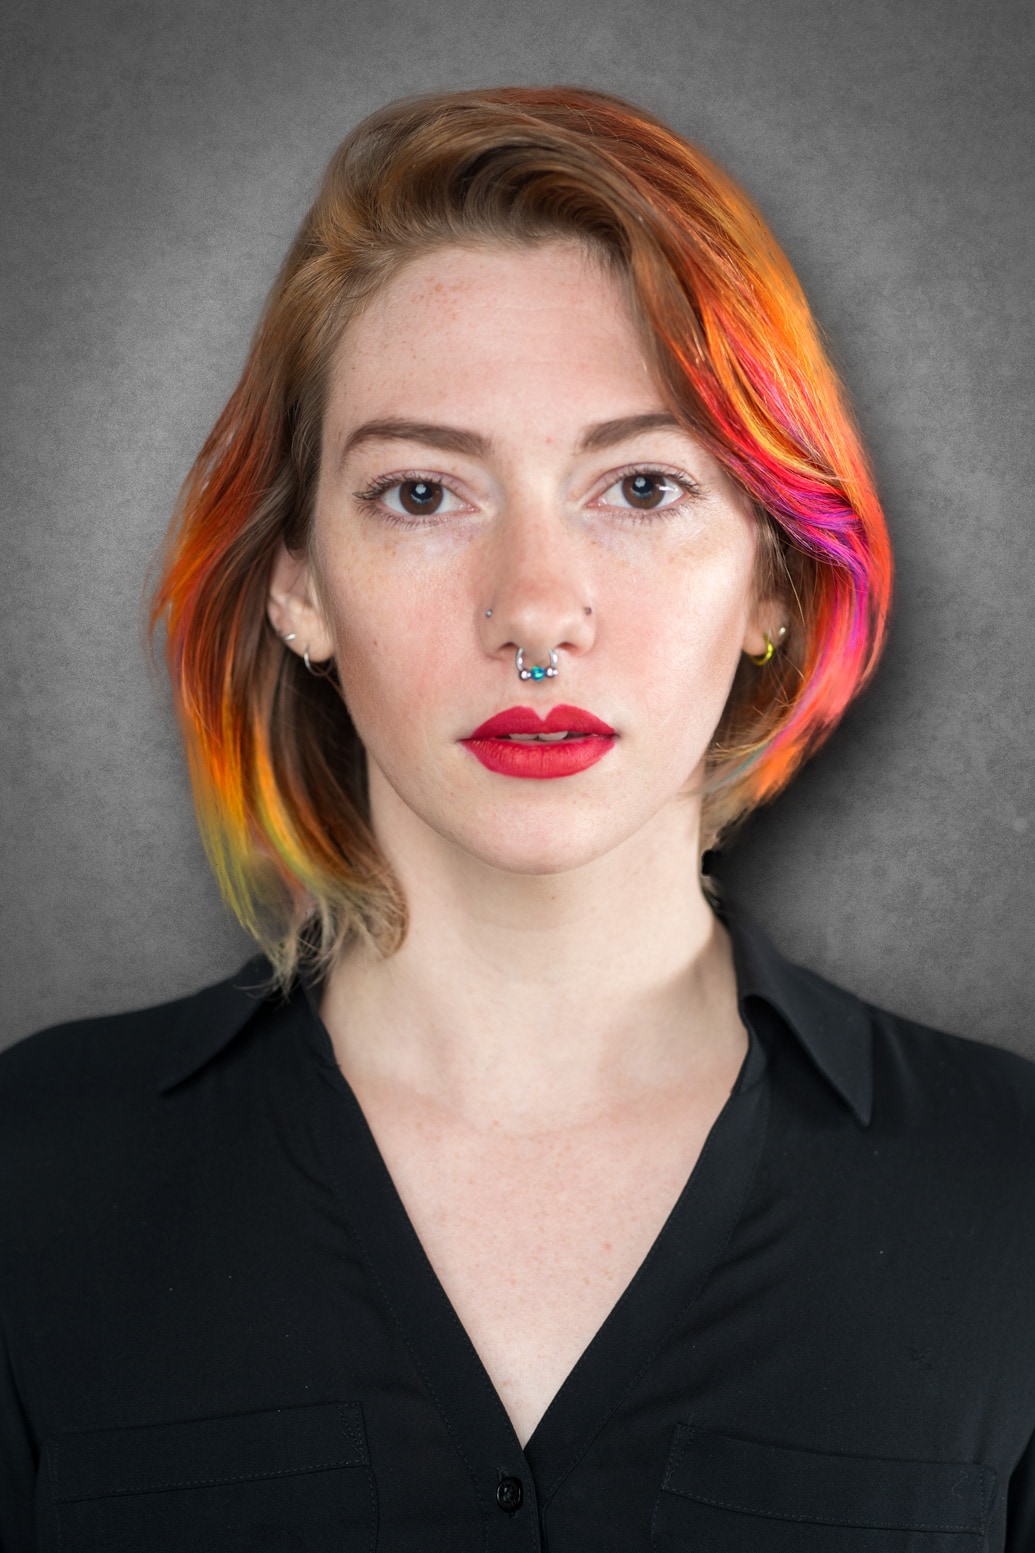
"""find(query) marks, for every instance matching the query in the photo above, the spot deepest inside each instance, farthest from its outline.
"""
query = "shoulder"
(90, 1074)
(946, 1141)
(899, 1076)
(950, 1097)
(936, 1072)
(929, 1064)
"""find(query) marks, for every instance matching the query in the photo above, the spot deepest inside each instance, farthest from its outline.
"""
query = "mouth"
(521, 743)
(525, 723)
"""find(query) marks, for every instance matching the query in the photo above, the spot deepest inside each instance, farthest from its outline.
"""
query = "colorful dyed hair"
(278, 770)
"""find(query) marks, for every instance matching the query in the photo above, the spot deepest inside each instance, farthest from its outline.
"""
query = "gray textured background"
(158, 159)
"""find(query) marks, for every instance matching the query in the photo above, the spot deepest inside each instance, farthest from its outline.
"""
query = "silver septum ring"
(536, 672)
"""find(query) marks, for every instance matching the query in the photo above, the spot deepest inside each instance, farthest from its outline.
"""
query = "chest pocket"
(294, 1479)
(721, 1494)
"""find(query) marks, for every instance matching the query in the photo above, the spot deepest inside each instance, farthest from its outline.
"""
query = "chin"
(540, 844)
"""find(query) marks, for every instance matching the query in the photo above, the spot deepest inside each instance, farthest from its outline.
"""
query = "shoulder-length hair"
(278, 770)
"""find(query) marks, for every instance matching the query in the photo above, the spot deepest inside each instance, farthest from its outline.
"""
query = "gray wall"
(158, 159)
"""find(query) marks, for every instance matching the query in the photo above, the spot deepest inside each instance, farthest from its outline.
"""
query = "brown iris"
(644, 491)
(417, 496)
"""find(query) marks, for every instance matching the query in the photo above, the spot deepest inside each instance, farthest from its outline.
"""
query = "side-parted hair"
(278, 770)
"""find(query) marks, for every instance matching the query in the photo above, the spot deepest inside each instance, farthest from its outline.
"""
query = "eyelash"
(369, 498)
(377, 488)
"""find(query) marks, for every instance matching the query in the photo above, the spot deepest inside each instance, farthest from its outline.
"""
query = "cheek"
(390, 631)
(685, 633)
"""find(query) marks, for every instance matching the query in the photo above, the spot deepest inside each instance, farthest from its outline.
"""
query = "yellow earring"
(763, 658)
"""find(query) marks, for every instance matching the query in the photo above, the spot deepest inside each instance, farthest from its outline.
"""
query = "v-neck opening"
(666, 1283)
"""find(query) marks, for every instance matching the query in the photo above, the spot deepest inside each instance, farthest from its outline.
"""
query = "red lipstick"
(586, 741)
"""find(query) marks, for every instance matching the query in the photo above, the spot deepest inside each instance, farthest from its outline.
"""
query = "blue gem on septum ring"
(536, 671)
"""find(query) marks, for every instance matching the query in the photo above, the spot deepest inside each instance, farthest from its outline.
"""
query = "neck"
(540, 996)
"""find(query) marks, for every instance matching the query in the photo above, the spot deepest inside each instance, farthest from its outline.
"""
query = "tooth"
(553, 738)
(523, 738)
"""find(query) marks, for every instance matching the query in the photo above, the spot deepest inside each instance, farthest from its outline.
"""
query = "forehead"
(487, 332)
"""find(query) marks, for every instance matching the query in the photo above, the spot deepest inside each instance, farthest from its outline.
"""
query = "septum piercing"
(536, 672)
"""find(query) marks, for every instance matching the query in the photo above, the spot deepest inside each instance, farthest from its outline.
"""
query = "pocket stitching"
(356, 1438)
(820, 1520)
(684, 1439)
(243, 1477)
(359, 1442)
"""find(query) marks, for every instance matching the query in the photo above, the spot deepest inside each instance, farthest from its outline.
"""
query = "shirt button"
(509, 1494)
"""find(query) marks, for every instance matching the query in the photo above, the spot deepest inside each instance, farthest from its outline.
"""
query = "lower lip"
(540, 760)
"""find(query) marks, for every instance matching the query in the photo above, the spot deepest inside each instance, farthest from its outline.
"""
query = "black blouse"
(221, 1332)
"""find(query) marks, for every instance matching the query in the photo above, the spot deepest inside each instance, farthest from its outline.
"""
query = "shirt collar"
(832, 1025)
(204, 1024)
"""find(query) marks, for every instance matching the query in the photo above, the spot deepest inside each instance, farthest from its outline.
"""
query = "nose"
(536, 596)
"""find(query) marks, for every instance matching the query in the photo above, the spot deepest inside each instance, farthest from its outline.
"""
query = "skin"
(541, 1062)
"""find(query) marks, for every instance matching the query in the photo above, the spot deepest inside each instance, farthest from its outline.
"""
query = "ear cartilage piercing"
(536, 671)
(289, 638)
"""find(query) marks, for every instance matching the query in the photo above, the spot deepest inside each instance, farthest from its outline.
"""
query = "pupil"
(419, 495)
(642, 490)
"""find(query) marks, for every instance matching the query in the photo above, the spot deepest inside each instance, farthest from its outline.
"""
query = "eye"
(648, 490)
(411, 496)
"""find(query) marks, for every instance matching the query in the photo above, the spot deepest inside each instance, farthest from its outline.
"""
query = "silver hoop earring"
(316, 673)
(535, 672)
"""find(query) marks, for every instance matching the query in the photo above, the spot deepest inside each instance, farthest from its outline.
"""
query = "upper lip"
(524, 719)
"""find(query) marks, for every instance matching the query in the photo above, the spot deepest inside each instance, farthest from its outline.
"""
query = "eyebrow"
(606, 433)
(453, 439)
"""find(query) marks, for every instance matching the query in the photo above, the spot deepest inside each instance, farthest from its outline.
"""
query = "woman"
(520, 1195)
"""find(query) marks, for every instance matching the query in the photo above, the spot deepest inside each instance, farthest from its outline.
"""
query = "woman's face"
(494, 440)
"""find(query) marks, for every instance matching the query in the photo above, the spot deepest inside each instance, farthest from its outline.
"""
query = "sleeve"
(1020, 1504)
(17, 1464)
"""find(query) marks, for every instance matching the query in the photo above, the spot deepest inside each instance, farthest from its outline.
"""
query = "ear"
(293, 608)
